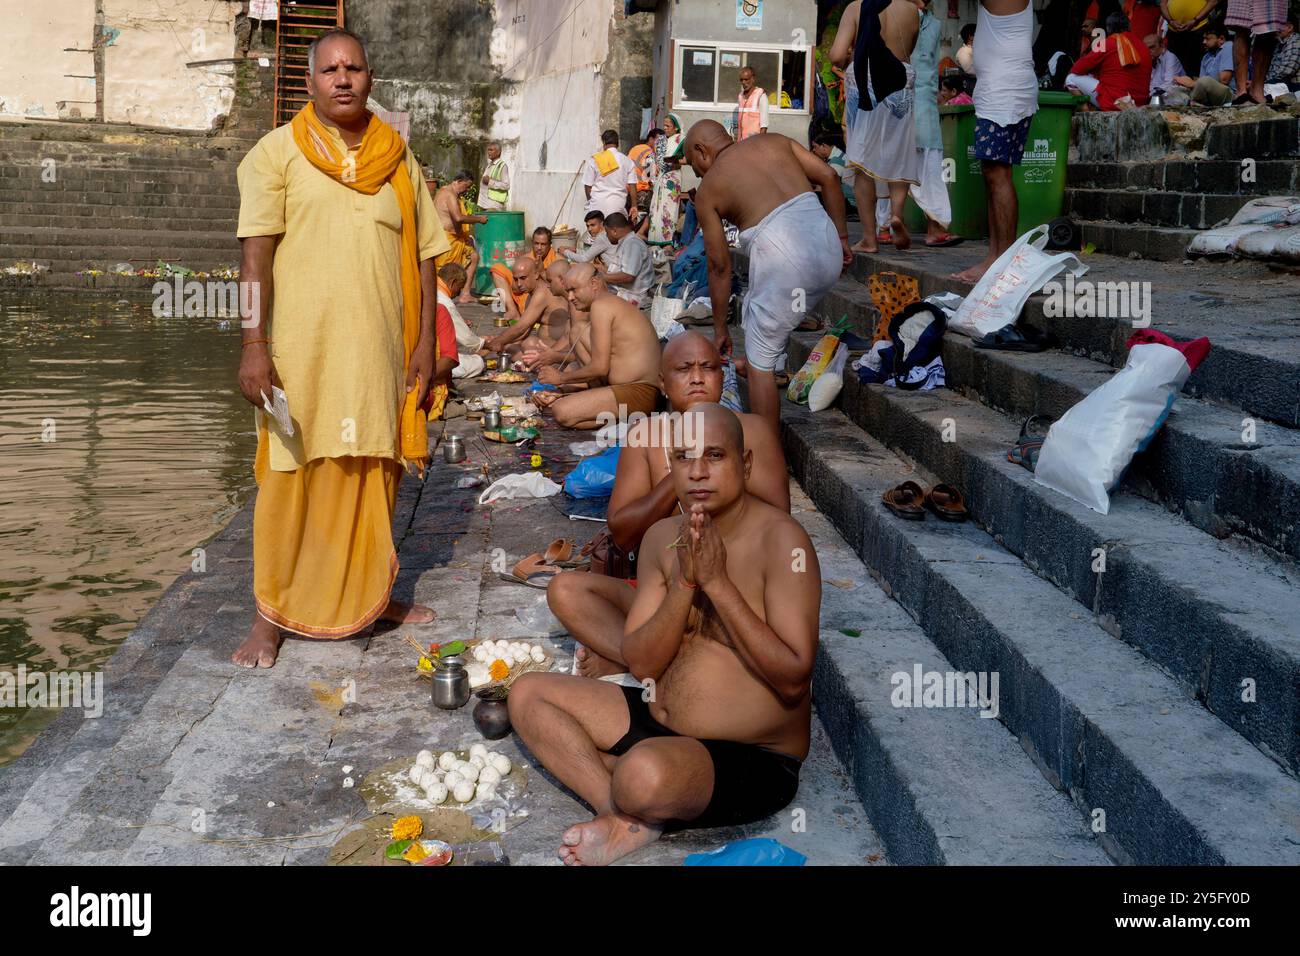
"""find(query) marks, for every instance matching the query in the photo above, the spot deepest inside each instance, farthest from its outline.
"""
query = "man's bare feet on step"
(591, 664)
(864, 245)
(261, 647)
(902, 238)
(407, 613)
(465, 296)
(974, 273)
(605, 839)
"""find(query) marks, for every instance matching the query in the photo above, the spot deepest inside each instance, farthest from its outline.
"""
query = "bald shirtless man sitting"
(623, 363)
(574, 344)
(594, 607)
(545, 315)
(764, 185)
(723, 635)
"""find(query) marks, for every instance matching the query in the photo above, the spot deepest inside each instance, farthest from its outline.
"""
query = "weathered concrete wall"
(154, 69)
(47, 70)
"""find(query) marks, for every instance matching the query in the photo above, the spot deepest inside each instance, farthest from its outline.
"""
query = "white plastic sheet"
(527, 484)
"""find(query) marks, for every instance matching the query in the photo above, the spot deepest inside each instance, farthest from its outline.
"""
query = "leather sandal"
(905, 500)
(947, 503)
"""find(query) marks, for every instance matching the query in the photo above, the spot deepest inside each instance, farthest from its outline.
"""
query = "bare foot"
(407, 613)
(605, 839)
(902, 238)
(466, 297)
(261, 647)
(974, 273)
(863, 246)
(591, 664)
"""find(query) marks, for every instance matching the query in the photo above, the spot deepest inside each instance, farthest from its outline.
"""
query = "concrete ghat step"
(1198, 463)
(1179, 210)
(940, 785)
(1267, 177)
(1176, 785)
(1255, 362)
(1163, 244)
(1209, 612)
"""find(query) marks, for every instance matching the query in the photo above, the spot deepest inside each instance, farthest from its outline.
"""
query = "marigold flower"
(407, 828)
(499, 670)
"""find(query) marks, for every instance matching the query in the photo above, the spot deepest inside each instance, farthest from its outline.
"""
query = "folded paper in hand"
(278, 408)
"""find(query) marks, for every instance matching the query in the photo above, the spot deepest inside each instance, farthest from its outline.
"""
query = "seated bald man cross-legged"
(544, 316)
(723, 635)
(574, 344)
(594, 607)
(623, 364)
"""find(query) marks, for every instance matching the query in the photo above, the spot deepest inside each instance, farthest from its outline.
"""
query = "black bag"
(608, 558)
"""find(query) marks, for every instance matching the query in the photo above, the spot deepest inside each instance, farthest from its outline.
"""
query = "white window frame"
(718, 46)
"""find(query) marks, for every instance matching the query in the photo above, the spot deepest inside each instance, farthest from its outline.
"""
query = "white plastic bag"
(1088, 449)
(1223, 240)
(1002, 291)
(527, 484)
(829, 382)
(664, 312)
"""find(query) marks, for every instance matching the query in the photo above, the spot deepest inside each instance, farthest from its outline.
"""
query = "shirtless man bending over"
(540, 313)
(726, 628)
(456, 222)
(575, 342)
(764, 186)
(594, 607)
(624, 360)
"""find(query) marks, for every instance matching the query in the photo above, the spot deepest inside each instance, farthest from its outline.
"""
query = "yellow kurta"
(323, 556)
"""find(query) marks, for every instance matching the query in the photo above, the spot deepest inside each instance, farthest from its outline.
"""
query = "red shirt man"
(1122, 68)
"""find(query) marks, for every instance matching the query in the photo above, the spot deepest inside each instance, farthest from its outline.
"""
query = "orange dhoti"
(461, 251)
(323, 556)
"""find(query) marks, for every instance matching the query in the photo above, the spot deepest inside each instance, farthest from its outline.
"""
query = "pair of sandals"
(910, 502)
(885, 238)
(538, 569)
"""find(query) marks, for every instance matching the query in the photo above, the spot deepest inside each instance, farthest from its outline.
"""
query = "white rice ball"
(447, 760)
(485, 791)
(436, 793)
(453, 779)
(489, 775)
(464, 792)
(478, 750)
(468, 771)
(480, 654)
(425, 759)
(478, 760)
(501, 764)
(416, 774)
(537, 655)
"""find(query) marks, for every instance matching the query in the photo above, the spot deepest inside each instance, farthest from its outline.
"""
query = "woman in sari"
(666, 201)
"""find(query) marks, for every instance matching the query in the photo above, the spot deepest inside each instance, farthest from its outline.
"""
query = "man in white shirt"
(596, 246)
(630, 277)
(1164, 66)
(494, 187)
(609, 178)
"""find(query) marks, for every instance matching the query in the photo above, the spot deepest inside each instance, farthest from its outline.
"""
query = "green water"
(151, 455)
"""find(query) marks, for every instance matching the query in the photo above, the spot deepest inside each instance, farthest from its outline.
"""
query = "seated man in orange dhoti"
(503, 275)
(334, 207)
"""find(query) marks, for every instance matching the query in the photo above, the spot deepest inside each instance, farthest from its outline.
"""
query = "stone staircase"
(1158, 697)
(1147, 181)
(80, 198)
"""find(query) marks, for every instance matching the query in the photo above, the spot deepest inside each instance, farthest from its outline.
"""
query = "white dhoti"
(881, 142)
(794, 259)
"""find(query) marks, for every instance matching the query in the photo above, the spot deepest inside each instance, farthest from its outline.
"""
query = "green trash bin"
(1039, 179)
(500, 239)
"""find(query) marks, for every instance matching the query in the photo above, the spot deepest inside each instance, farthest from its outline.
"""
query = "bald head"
(688, 344)
(711, 425)
(705, 140)
(555, 274)
(523, 265)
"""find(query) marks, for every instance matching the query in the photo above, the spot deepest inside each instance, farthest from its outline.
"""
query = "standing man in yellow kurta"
(339, 236)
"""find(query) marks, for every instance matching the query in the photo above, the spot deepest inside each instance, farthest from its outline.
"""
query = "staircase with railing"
(300, 23)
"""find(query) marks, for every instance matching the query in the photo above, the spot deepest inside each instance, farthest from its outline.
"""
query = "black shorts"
(749, 782)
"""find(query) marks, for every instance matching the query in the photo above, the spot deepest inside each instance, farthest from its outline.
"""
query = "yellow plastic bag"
(821, 356)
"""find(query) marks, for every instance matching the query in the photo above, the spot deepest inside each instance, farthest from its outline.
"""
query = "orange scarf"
(1127, 50)
(381, 158)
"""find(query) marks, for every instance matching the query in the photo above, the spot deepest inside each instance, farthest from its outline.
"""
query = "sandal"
(1029, 444)
(884, 237)
(905, 500)
(1015, 338)
(540, 580)
(947, 503)
(947, 239)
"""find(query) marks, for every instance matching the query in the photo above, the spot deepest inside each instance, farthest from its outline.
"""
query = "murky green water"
(124, 444)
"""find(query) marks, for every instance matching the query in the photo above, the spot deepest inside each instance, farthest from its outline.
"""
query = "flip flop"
(947, 503)
(558, 551)
(1014, 338)
(905, 500)
(947, 239)
(884, 237)
(541, 580)
(532, 565)
(1025, 451)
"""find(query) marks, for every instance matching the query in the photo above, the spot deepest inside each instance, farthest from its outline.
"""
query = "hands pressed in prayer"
(708, 555)
(685, 559)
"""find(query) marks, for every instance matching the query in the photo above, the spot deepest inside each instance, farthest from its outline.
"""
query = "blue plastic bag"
(594, 476)
(760, 851)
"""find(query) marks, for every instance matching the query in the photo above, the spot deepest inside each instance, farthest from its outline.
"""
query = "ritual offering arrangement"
(487, 663)
(450, 778)
(506, 377)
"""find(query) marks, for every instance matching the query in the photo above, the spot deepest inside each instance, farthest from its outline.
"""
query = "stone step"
(1169, 783)
(16, 181)
(107, 238)
(1152, 134)
(1179, 210)
(1265, 177)
(940, 785)
(95, 155)
(1211, 613)
(1198, 464)
(1254, 364)
(209, 221)
(1159, 243)
(156, 205)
